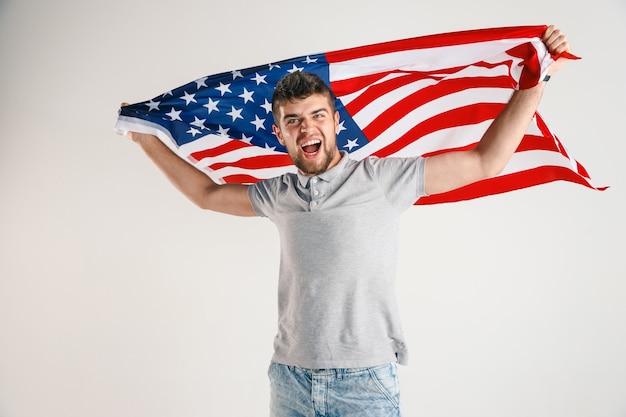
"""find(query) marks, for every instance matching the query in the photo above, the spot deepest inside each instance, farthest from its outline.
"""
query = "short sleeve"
(401, 179)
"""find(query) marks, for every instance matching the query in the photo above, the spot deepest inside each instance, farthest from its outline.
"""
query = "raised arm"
(452, 170)
(196, 186)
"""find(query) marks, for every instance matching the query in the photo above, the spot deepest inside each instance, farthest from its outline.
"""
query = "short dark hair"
(299, 85)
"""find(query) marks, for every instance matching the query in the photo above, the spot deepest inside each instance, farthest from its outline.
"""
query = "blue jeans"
(350, 392)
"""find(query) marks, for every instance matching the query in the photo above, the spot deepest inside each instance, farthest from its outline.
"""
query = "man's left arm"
(452, 170)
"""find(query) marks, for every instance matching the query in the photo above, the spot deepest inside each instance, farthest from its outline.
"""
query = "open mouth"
(311, 147)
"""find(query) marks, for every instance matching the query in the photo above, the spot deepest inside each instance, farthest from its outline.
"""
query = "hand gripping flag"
(418, 96)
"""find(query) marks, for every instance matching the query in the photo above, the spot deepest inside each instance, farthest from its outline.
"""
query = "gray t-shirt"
(339, 235)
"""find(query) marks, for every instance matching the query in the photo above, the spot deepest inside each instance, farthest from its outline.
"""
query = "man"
(339, 335)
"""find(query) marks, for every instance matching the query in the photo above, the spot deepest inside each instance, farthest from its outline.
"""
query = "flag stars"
(189, 98)
(258, 123)
(352, 144)
(198, 123)
(294, 68)
(212, 105)
(246, 139)
(235, 113)
(310, 60)
(174, 115)
(267, 106)
(222, 131)
(247, 95)
(200, 82)
(193, 132)
(223, 88)
(260, 79)
(236, 74)
(153, 105)
(272, 66)
(341, 127)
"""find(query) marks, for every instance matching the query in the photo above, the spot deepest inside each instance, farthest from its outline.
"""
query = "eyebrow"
(322, 109)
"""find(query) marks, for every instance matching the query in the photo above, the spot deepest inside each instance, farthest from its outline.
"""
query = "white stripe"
(436, 107)
(127, 124)
(430, 59)
(348, 98)
(453, 137)
(368, 113)
(534, 159)
(442, 139)
(209, 141)
(218, 175)
(213, 141)
(521, 161)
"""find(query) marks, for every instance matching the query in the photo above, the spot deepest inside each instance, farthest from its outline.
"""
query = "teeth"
(311, 142)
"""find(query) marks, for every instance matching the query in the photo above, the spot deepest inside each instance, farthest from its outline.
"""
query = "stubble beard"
(311, 167)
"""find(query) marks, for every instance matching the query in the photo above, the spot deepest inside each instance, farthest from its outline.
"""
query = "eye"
(292, 121)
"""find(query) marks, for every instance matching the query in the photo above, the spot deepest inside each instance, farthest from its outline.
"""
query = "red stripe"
(378, 90)
(351, 85)
(434, 41)
(240, 179)
(543, 127)
(506, 183)
(528, 143)
(256, 162)
(534, 143)
(532, 67)
(229, 146)
(459, 148)
(411, 102)
(471, 114)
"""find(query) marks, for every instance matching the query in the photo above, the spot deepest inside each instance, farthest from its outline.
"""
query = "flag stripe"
(436, 41)
(256, 162)
(420, 96)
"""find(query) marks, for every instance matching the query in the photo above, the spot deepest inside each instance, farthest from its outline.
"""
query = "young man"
(339, 335)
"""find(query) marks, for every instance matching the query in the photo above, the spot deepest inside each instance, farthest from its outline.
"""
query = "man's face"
(308, 128)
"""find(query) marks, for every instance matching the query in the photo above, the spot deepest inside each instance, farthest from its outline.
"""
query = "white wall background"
(120, 298)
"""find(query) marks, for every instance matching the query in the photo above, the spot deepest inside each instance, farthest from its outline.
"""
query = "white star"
(168, 93)
(153, 105)
(267, 106)
(351, 144)
(272, 66)
(223, 131)
(271, 148)
(174, 115)
(309, 60)
(223, 88)
(236, 74)
(247, 95)
(246, 139)
(260, 79)
(235, 113)
(258, 123)
(340, 127)
(189, 98)
(212, 105)
(198, 122)
(200, 82)
(193, 131)
(294, 69)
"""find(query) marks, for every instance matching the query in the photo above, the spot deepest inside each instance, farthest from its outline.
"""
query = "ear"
(279, 135)
(336, 122)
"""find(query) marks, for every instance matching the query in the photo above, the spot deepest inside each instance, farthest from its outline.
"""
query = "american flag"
(417, 96)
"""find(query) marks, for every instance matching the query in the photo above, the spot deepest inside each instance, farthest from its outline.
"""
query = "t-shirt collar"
(329, 175)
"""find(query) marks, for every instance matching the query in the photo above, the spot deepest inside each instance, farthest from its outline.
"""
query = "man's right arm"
(196, 186)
